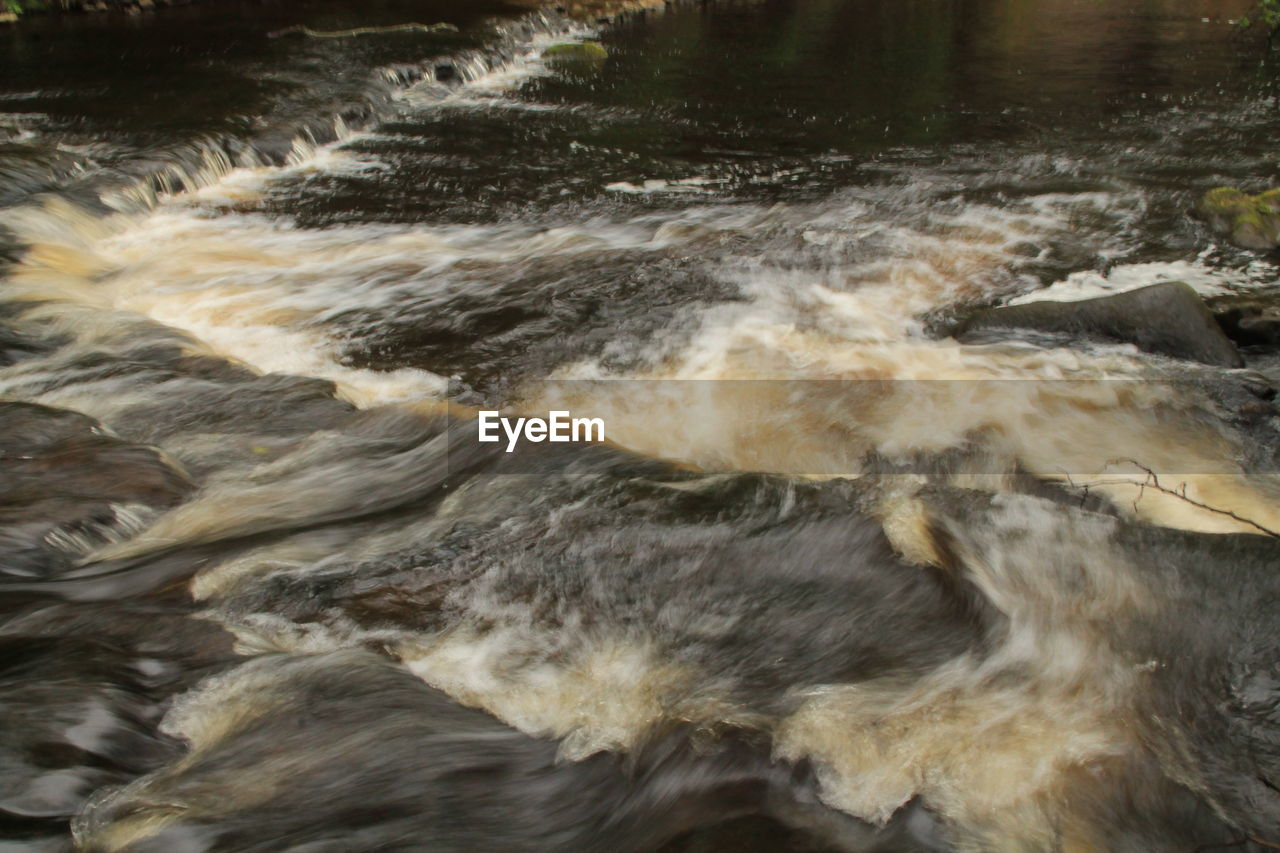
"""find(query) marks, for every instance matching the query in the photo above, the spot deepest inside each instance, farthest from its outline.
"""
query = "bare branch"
(1152, 481)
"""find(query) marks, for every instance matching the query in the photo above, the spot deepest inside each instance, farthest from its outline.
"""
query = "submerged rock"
(1250, 221)
(575, 54)
(384, 758)
(68, 486)
(83, 688)
(1167, 318)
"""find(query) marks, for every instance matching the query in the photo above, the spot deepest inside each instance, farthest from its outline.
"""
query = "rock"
(1250, 320)
(1250, 221)
(586, 52)
(67, 486)
(1167, 318)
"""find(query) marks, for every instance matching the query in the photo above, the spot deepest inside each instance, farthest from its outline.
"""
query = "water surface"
(837, 582)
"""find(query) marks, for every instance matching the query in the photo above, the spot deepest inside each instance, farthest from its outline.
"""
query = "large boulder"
(1250, 221)
(1167, 318)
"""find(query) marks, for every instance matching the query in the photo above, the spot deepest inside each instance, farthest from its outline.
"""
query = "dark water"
(838, 580)
(772, 101)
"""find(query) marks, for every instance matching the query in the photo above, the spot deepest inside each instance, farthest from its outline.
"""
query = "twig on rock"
(1152, 481)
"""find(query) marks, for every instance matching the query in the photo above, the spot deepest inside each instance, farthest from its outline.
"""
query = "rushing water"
(837, 581)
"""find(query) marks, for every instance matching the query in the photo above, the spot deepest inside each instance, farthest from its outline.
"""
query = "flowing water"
(837, 581)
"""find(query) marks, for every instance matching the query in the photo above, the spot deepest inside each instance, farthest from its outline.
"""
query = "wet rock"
(1249, 320)
(82, 691)
(67, 486)
(383, 758)
(219, 397)
(497, 327)
(1167, 318)
(575, 55)
(1208, 608)
(1250, 221)
(853, 610)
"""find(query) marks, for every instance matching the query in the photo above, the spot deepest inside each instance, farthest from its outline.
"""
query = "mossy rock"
(576, 54)
(1269, 201)
(1250, 221)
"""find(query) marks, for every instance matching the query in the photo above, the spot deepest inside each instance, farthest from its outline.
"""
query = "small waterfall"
(197, 164)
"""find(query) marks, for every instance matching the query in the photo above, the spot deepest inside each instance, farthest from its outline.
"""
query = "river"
(837, 580)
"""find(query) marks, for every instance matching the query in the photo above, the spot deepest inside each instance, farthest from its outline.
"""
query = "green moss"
(1268, 202)
(1249, 218)
(1224, 199)
(586, 51)
(1252, 221)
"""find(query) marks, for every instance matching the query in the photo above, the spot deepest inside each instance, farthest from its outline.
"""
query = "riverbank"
(21, 8)
(585, 10)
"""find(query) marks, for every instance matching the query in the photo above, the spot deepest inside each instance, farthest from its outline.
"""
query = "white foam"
(651, 186)
(1207, 280)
